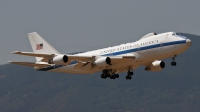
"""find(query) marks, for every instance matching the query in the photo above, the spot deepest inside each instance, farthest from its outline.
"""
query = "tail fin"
(39, 45)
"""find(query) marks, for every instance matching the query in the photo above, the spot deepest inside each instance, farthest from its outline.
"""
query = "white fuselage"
(146, 50)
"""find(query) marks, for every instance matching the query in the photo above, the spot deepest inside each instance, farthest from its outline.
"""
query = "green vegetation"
(22, 89)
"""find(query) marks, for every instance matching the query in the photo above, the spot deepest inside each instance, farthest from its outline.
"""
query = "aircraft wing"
(82, 59)
(92, 58)
(30, 64)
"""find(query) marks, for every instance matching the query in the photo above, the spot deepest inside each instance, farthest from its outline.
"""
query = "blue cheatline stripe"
(145, 48)
(122, 52)
(73, 62)
(149, 47)
(174, 43)
(57, 66)
(51, 67)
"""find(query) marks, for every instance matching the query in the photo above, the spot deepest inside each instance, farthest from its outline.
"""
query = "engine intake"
(103, 61)
(60, 60)
(156, 66)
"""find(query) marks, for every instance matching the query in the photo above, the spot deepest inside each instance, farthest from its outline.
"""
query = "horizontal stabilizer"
(32, 54)
(46, 57)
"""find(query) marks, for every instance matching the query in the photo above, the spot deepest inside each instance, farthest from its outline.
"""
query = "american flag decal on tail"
(39, 46)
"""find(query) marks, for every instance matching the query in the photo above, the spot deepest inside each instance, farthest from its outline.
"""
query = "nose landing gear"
(173, 63)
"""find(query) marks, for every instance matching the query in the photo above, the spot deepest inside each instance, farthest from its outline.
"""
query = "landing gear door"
(138, 49)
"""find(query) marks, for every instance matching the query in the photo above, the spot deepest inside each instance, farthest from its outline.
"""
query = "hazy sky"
(81, 25)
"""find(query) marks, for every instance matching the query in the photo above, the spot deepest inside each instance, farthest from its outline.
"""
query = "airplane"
(148, 51)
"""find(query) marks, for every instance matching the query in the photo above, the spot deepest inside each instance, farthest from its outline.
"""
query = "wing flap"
(81, 58)
(120, 59)
(83, 65)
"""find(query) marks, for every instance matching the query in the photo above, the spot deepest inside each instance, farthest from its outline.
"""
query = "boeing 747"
(148, 51)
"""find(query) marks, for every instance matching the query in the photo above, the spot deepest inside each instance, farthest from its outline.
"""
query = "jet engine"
(60, 60)
(103, 61)
(155, 66)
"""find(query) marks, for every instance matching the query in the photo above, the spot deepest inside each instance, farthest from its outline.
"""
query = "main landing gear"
(106, 74)
(173, 63)
(129, 75)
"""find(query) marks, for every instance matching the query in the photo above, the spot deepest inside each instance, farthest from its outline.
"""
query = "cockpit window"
(175, 33)
(178, 35)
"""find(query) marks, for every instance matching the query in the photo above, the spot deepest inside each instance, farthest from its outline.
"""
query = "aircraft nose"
(188, 42)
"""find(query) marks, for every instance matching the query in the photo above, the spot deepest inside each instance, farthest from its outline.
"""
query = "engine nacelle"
(155, 66)
(103, 61)
(60, 60)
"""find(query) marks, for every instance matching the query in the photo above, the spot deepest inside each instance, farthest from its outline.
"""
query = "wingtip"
(32, 33)
(15, 52)
(10, 61)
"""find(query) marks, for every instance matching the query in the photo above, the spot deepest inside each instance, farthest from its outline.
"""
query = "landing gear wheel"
(102, 76)
(173, 63)
(105, 74)
(116, 76)
(131, 73)
(112, 76)
(128, 77)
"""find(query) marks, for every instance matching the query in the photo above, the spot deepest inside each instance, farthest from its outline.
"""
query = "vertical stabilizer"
(39, 45)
